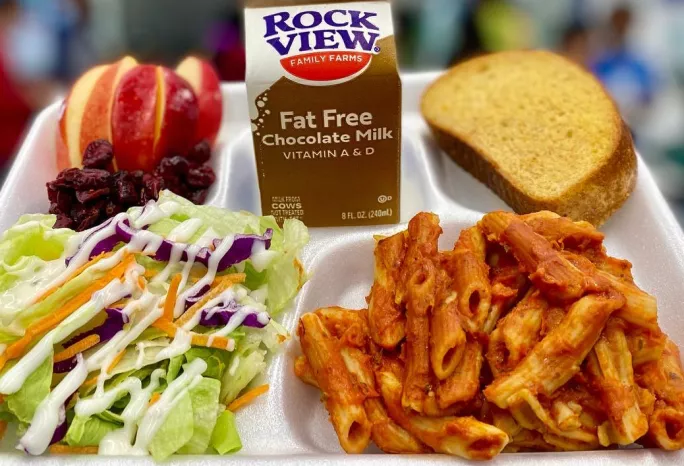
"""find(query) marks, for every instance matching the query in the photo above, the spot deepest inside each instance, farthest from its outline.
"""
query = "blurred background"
(636, 48)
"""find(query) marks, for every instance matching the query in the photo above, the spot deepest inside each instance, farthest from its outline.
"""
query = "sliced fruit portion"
(134, 119)
(203, 78)
(177, 114)
(86, 112)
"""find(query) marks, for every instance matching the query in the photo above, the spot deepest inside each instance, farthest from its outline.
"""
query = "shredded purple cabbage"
(61, 430)
(219, 316)
(114, 323)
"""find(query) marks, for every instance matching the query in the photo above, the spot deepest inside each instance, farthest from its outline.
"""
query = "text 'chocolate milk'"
(325, 102)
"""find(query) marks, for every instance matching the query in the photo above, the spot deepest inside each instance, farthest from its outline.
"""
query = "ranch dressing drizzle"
(154, 212)
(208, 278)
(157, 413)
(15, 377)
(174, 260)
(207, 238)
(224, 297)
(119, 442)
(104, 356)
(184, 231)
(50, 411)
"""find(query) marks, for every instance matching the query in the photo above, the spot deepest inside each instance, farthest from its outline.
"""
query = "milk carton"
(325, 103)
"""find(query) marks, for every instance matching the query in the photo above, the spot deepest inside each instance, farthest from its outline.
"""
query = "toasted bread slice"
(537, 129)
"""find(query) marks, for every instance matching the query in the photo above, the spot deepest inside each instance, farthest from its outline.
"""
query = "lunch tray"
(289, 425)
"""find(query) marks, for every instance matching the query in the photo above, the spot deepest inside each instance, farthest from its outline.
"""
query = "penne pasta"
(645, 345)
(385, 433)
(563, 232)
(386, 317)
(347, 325)
(640, 309)
(461, 436)
(464, 384)
(610, 368)
(303, 371)
(555, 359)
(470, 287)
(419, 280)
(549, 271)
(447, 337)
(516, 334)
(343, 399)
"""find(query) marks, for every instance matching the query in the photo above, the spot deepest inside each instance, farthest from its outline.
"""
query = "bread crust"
(595, 198)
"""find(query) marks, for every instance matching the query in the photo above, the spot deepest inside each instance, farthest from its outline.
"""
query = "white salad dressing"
(185, 230)
(154, 212)
(157, 413)
(180, 345)
(208, 277)
(119, 442)
(47, 417)
(15, 377)
(174, 260)
(185, 274)
(207, 238)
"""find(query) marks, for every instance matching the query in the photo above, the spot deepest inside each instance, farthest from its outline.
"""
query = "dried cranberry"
(199, 196)
(91, 194)
(153, 185)
(112, 208)
(91, 178)
(124, 188)
(63, 221)
(98, 154)
(201, 177)
(201, 152)
(137, 176)
(173, 166)
(64, 200)
(52, 192)
(89, 221)
(65, 178)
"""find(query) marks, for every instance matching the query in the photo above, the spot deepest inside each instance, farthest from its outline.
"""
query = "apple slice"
(86, 112)
(177, 114)
(72, 117)
(154, 114)
(134, 117)
(203, 78)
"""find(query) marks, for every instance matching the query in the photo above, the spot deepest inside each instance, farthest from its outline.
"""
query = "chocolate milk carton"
(325, 102)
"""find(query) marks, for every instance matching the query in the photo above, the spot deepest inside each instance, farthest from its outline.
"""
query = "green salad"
(141, 335)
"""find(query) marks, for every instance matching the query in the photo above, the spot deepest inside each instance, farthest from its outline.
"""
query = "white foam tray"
(289, 425)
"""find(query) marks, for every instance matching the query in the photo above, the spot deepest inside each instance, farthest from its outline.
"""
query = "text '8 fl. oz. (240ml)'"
(325, 102)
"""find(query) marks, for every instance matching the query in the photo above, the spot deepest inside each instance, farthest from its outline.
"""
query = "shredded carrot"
(222, 284)
(116, 360)
(2, 399)
(141, 283)
(78, 347)
(155, 398)
(248, 397)
(58, 449)
(170, 302)
(75, 273)
(198, 339)
(72, 401)
(49, 322)
(3, 429)
(90, 381)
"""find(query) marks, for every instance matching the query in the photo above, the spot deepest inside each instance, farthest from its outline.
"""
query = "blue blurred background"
(636, 48)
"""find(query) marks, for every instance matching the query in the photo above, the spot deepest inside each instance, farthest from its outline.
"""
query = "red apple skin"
(179, 115)
(134, 115)
(205, 81)
(96, 121)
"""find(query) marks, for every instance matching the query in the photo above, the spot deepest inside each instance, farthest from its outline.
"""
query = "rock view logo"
(323, 46)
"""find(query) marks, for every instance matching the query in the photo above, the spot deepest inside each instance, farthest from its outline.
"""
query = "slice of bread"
(537, 129)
